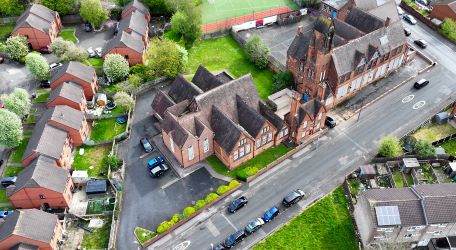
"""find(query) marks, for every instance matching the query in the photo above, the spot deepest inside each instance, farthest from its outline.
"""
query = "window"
(281, 134)
(301, 66)
(242, 142)
(235, 155)
(241, 152)
(171, 144)
(258, 143)
(264, 138)
(269, 136)
(247, 148)
(206, 145)
(191, 154)
(285, 132)
(304, 125)
(42, 197)
(303, 133)
(320, 115)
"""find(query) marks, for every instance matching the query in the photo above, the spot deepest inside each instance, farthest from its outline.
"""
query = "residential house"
(39, 25)
(31, 229)
(130, 46)
(444, 9)
(78, 73)
(409, 214)
(48, 140)
(70, 94)
(136, 5)
(42, 183)
(341, 55)
(70, 120)
(135, 24)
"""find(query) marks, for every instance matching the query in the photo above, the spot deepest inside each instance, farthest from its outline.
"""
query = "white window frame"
(191, 153)
(171, 143)
(241, 152)
(285, 131)
(206, 145)
(269, 136)
(320, 115)
(304, 125)
(247, 148)
(235, 155)
(258, 143)
(264, 139)
(281, 134)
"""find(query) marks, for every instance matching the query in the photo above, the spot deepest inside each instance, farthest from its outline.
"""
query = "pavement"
(93, 39)
(318, 169)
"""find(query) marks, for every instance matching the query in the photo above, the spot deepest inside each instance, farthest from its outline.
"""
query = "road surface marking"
(229, 222)
(419, 104)
(354, 142)
(144, 155)
(169, 183)
(214, 231)
(408, 98)
(182, 245)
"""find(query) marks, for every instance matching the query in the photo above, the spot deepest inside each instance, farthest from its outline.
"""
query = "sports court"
(215, 10)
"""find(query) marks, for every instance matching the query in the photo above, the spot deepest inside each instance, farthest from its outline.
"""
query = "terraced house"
(69, 94)
(78, 73)
(364, 42)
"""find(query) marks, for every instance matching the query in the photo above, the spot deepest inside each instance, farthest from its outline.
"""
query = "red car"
(2, 104)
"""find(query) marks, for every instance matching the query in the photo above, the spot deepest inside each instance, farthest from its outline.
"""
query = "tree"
(390, 146)
(16, 47)
(75, 53)
(93, 12)
(164, 58)
(424, 149)
(59, 46)
(37, 65)
(257, 51)
(18, 102)
(186, 20)
(63, 7)
(282, 80)
(11, 7)
(123, 100)
(10, 129)
(116, 67)
(448, 29)
(157, 6)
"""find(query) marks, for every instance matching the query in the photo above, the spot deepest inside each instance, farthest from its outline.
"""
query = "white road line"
(229, 222)
(354, 142)
(169, 183)
(212, 228)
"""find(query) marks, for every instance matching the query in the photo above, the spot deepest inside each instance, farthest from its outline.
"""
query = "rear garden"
(99, 238)
(433, 132)
(106, 129)
(68, 34)
(94, 160)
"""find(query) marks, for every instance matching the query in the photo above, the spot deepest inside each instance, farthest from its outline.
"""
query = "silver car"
(91, 52)
(99, 51)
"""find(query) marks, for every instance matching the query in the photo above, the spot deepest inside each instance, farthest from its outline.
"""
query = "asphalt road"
(320, 168)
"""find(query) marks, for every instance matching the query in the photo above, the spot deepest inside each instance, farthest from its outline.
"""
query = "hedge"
(244, 173)
(211, 197)
(188, 211)
(222, 189)
(199, 204)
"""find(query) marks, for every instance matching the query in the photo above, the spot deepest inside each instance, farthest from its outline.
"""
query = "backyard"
(68, 34)
(16, 155)
(93, 160)
(434, 132)
(99, 239)
(42, 96)
(6, 30)
(397, 177)
(450, 147)
(12, 171)
(106, 129)
(325, 225)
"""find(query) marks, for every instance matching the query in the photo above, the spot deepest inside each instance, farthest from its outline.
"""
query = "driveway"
(15, 75)
(148, 201)
(93, 39)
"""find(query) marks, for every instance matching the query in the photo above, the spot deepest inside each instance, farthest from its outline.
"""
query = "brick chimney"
(321, 91)
(387, 21)
(294, 106)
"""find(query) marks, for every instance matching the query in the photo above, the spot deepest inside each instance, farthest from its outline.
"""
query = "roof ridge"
(249, 75)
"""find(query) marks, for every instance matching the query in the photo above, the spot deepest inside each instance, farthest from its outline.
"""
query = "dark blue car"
(270, 214)
(155, 162)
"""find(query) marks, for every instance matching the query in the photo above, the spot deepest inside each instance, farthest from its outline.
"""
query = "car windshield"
(156, 170)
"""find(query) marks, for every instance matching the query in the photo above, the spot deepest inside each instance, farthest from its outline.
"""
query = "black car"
(146, 145)
(45, 84)
(237, 204)
(407, 32)
(254, 226)
(159, 170)
(45, 50)
(421, 43)
(234, 239)
(293, 197)
(410, 19)
(421, 83)
(330, 122)
(219, 247)
(87, 27)
(7, 181)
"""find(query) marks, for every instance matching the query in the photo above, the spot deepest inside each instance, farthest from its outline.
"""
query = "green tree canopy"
(424, 149)
(186, 20)
(282, 80)
(165, 58)
(37, 65)
(18, 102)
(11, 7)
(123, 100)
(257, 51)
(390, 146)
(93, 12)
(16, 47)
(63, 7)
(116, 67)
(448, 29)
(10, 129)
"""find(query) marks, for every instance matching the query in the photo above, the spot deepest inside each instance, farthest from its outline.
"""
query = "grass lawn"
(28, 133)
(12, 171)
(434, 132)
(42, 97)
(106, 129)
(6, 29)
(144, 234)
(223, 9)
(68, 34)
(99, 239)
(16, 156)
(409, 179)
(225, 53)
(93, 156)
(325, 225)
(260, 161)
(450, 147)
(96, 62)
(398, 179)
(3, 196)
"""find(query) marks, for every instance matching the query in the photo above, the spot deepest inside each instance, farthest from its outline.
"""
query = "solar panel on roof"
(387, 215)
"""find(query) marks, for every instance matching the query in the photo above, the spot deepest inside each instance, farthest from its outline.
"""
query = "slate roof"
(386, 10)
(311, 108)
(33, 21)
(363, 20)
(136, 21)
(276, 121)
(77, 69)
(227, 133)
(137, 5)
(161, 102)
(175, 130)
(44, 173)
(249, 118)
(346, 31)
(124, 40)
(181, 89)
(205, 80)
(67, 90)
(300, 44)
(36, 16)
(31, 224)
(65, 115)
(224, 77)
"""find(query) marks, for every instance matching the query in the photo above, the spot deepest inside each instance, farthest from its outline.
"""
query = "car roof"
(422, 80)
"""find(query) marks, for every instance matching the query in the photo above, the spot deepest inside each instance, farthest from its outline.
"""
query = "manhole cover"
(419, 104)
(408, 98)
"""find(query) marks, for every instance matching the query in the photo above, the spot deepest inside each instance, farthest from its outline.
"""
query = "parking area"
(94, 39)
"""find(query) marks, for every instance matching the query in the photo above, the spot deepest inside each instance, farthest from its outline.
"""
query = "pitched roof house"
(78, 73)
(70, 94)
(407, 214)
(39, 25)
(28, 228)
(136, 5)
(41, 183)
(136, 24)
(444, 9)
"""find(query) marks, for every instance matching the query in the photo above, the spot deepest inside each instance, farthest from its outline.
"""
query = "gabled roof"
(137, 5)
(450, 3)
(312, 107)
(136, 21)
(227, 133)
(300, 44)
(346, 31)
(363, 20)
(125, 40)
(271, 116)
(249, 118)
(32, 21)
(39, 11)
(336, 4)
(67, 90)
(181, 89)
(31, 224)
(65, 115)
(76, 69)
(42, 173)
(175, 130)
(205, 80)
(161, 102)
(387, 10)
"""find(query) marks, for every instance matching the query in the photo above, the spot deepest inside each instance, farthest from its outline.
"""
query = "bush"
(143, 72)
(188, 211)
(211, 197)
(257, 51)
(116, 13)
(222, 189)
(163, 227)
(176, 218)
(199, 204)
(390, 146)
(244, 173)
(282, 80)
(113, 161)
(424, 149)
(233, 184)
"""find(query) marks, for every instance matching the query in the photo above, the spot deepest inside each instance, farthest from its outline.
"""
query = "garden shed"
(408, 164)
(80, 177)
(452, 169)
(442, 117)
(97, 187)
(367, 171)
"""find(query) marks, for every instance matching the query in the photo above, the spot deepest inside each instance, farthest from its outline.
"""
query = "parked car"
(400, 11)
(146, 145)
(330, 122)
(293, 197)
(423, 2)
(91, 52)
(7, 181)
(155, 162)
(99, 51)
(219, 246)
(407, 32)
(254, 226)
(45, 50)
(410, 19)
(54, 65)
(87, 27)
(234, 239)
(421, 43)
(159, 170)
(45, 84)
(2, 103)
(421, 83)
(270, 214)
(237, 204)
(5, 213)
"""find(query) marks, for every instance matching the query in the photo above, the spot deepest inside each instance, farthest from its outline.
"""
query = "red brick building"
(39, 25)
(453, 111)
(76, 72)
(42, 183)
(69, 94)
(444, 9)
(136, 5)
(129, 46)
(31, 229)
(340, 56)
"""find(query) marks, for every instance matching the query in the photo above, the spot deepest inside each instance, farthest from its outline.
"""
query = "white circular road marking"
(408, 98)
(182, 245)
(419, 104)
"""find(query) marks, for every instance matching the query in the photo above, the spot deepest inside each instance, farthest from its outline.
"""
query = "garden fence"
(438, 142)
